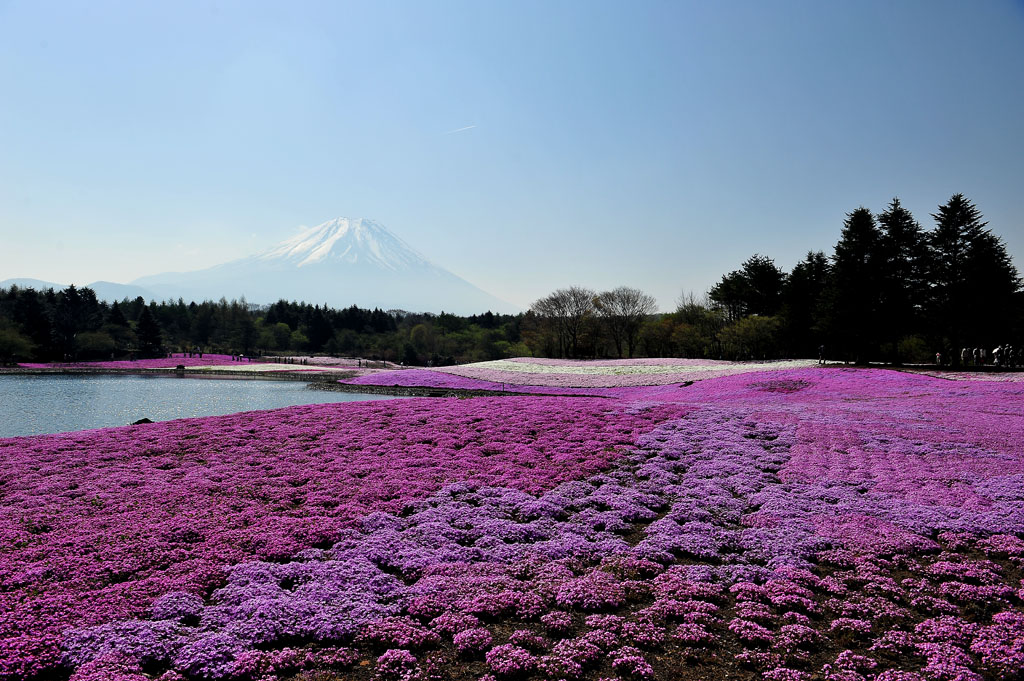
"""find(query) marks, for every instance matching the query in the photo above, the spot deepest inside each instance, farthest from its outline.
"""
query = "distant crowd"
(1005, 356)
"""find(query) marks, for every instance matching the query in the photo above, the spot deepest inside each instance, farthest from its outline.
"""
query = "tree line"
(891, 291)
(72, 325)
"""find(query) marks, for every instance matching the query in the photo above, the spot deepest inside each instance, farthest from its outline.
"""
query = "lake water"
(32, 405)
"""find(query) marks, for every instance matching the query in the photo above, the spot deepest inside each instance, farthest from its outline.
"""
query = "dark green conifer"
(148, 332)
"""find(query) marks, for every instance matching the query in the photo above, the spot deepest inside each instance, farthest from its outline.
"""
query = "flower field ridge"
(610, 374)
(802, 524)
(532, 373)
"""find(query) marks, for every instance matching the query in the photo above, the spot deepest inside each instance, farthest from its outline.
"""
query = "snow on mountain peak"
(350, 240)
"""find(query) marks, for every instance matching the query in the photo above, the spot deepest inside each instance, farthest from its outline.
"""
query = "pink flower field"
(784, 524)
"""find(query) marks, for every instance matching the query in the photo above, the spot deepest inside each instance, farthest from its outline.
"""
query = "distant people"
(997, 355)
(976, 354)
(965, 356)
(821, 354)
(938, 359)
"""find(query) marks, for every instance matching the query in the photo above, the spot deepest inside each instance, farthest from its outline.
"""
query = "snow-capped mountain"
(341, 262)
(349, 241)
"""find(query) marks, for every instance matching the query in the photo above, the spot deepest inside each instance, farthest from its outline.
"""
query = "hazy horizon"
(524, 147)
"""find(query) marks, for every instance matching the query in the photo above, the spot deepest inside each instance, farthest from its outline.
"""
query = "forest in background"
(891, 291)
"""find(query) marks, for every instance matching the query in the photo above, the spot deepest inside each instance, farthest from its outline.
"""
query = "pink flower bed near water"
(159, 363)
(811, 524)
(96, 525)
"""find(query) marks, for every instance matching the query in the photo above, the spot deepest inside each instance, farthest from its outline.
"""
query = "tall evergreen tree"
(764, 285)
(116, 317)
(801, 302)
(903, 276)
(730, 295)
(148, 332)
(974, 283)
(851, 301)
(31, 312)
(76, 310)
(754, 289)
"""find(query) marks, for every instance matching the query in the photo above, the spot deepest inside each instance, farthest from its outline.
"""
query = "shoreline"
(427, 391)
(170, 372)
(327, 381)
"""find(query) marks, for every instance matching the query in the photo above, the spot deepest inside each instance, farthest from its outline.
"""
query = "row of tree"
(72, 325)
(891, 291)
(577, 321)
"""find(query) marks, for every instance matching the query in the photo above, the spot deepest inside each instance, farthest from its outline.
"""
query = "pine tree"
(851, 301)
(764, 285)
(801, 302)
(116, 317)
(974, 283)
(754, 289)
(148, 332)
(903, 275)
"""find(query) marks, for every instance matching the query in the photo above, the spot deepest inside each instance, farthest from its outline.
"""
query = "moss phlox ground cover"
(95, 525)
(788, 525)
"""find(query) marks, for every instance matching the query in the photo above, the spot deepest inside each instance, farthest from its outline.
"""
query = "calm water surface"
(32, 405)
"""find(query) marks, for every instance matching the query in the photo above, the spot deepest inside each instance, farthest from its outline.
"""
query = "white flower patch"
(256, 368)
(608, 369)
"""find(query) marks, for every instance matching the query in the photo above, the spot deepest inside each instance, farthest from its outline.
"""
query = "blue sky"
(652, 144)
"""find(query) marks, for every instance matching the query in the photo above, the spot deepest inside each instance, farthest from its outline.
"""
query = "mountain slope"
(104, 290)
(341, 262)
(37, 284)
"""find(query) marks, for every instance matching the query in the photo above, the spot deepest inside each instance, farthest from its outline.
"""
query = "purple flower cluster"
(510, 661)
(470, 641)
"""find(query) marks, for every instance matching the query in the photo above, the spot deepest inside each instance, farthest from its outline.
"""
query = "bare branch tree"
(623, 311)
(567, 311)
